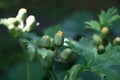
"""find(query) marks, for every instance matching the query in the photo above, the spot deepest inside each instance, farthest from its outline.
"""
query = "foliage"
(97, 55)
(100, 64)
(106, 18)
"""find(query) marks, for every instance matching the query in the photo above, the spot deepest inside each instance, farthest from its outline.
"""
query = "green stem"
(52, 72)
(56, 51)
(28, 69)
(27, 60)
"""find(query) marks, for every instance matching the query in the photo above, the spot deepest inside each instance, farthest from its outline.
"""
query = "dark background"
(70, 14)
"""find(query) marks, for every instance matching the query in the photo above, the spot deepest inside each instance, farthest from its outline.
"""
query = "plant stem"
(56, 51)
(52, 72)
(27, 60)
(28, 69)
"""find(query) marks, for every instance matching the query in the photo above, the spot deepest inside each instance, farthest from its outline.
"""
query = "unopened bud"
(45, 41)
(21, 14)
(66, 54)
(52, 45)
(101, 49)
(59, 38)
(30, 21)
(105, 30)
(97, 39)
(116, 41)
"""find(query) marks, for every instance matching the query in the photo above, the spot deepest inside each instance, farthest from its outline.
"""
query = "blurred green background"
(69, 14)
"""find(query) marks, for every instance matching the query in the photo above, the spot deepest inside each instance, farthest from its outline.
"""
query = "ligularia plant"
(97, 55)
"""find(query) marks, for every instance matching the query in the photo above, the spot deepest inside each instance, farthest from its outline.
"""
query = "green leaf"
(94, 25)
(74, 72)
(43, 53)
(89, 51)
(86, 49)
(113, 18)
(31, 51)
(106, 18)
(30, 48)
(108, 74)
(110, 58)
(104, 62)
(94, 62)
(47, 57)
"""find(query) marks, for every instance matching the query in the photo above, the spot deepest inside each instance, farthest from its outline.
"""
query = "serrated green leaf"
(106, 18)
(30, 48)
(101, 17)
(31, 51)
(109, 58)
(107, 74)
(104, 62)
(113, 18)
(88, 52)
(86, 49)
(47, 57)
(94, 25)
(43, 53)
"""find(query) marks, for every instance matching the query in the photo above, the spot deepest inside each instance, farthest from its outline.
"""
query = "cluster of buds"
(99, 43)
(101, 40)
(49, 46)
(19, 23)
(49, 43)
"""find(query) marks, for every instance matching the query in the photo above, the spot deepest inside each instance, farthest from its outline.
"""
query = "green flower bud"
(45, 41)
(21, 14)
(104, 32)
(97, 39)
(52, 45)
(59, 38)
(116, 41)
(66, 54)
(30, 22)
(101, 49)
